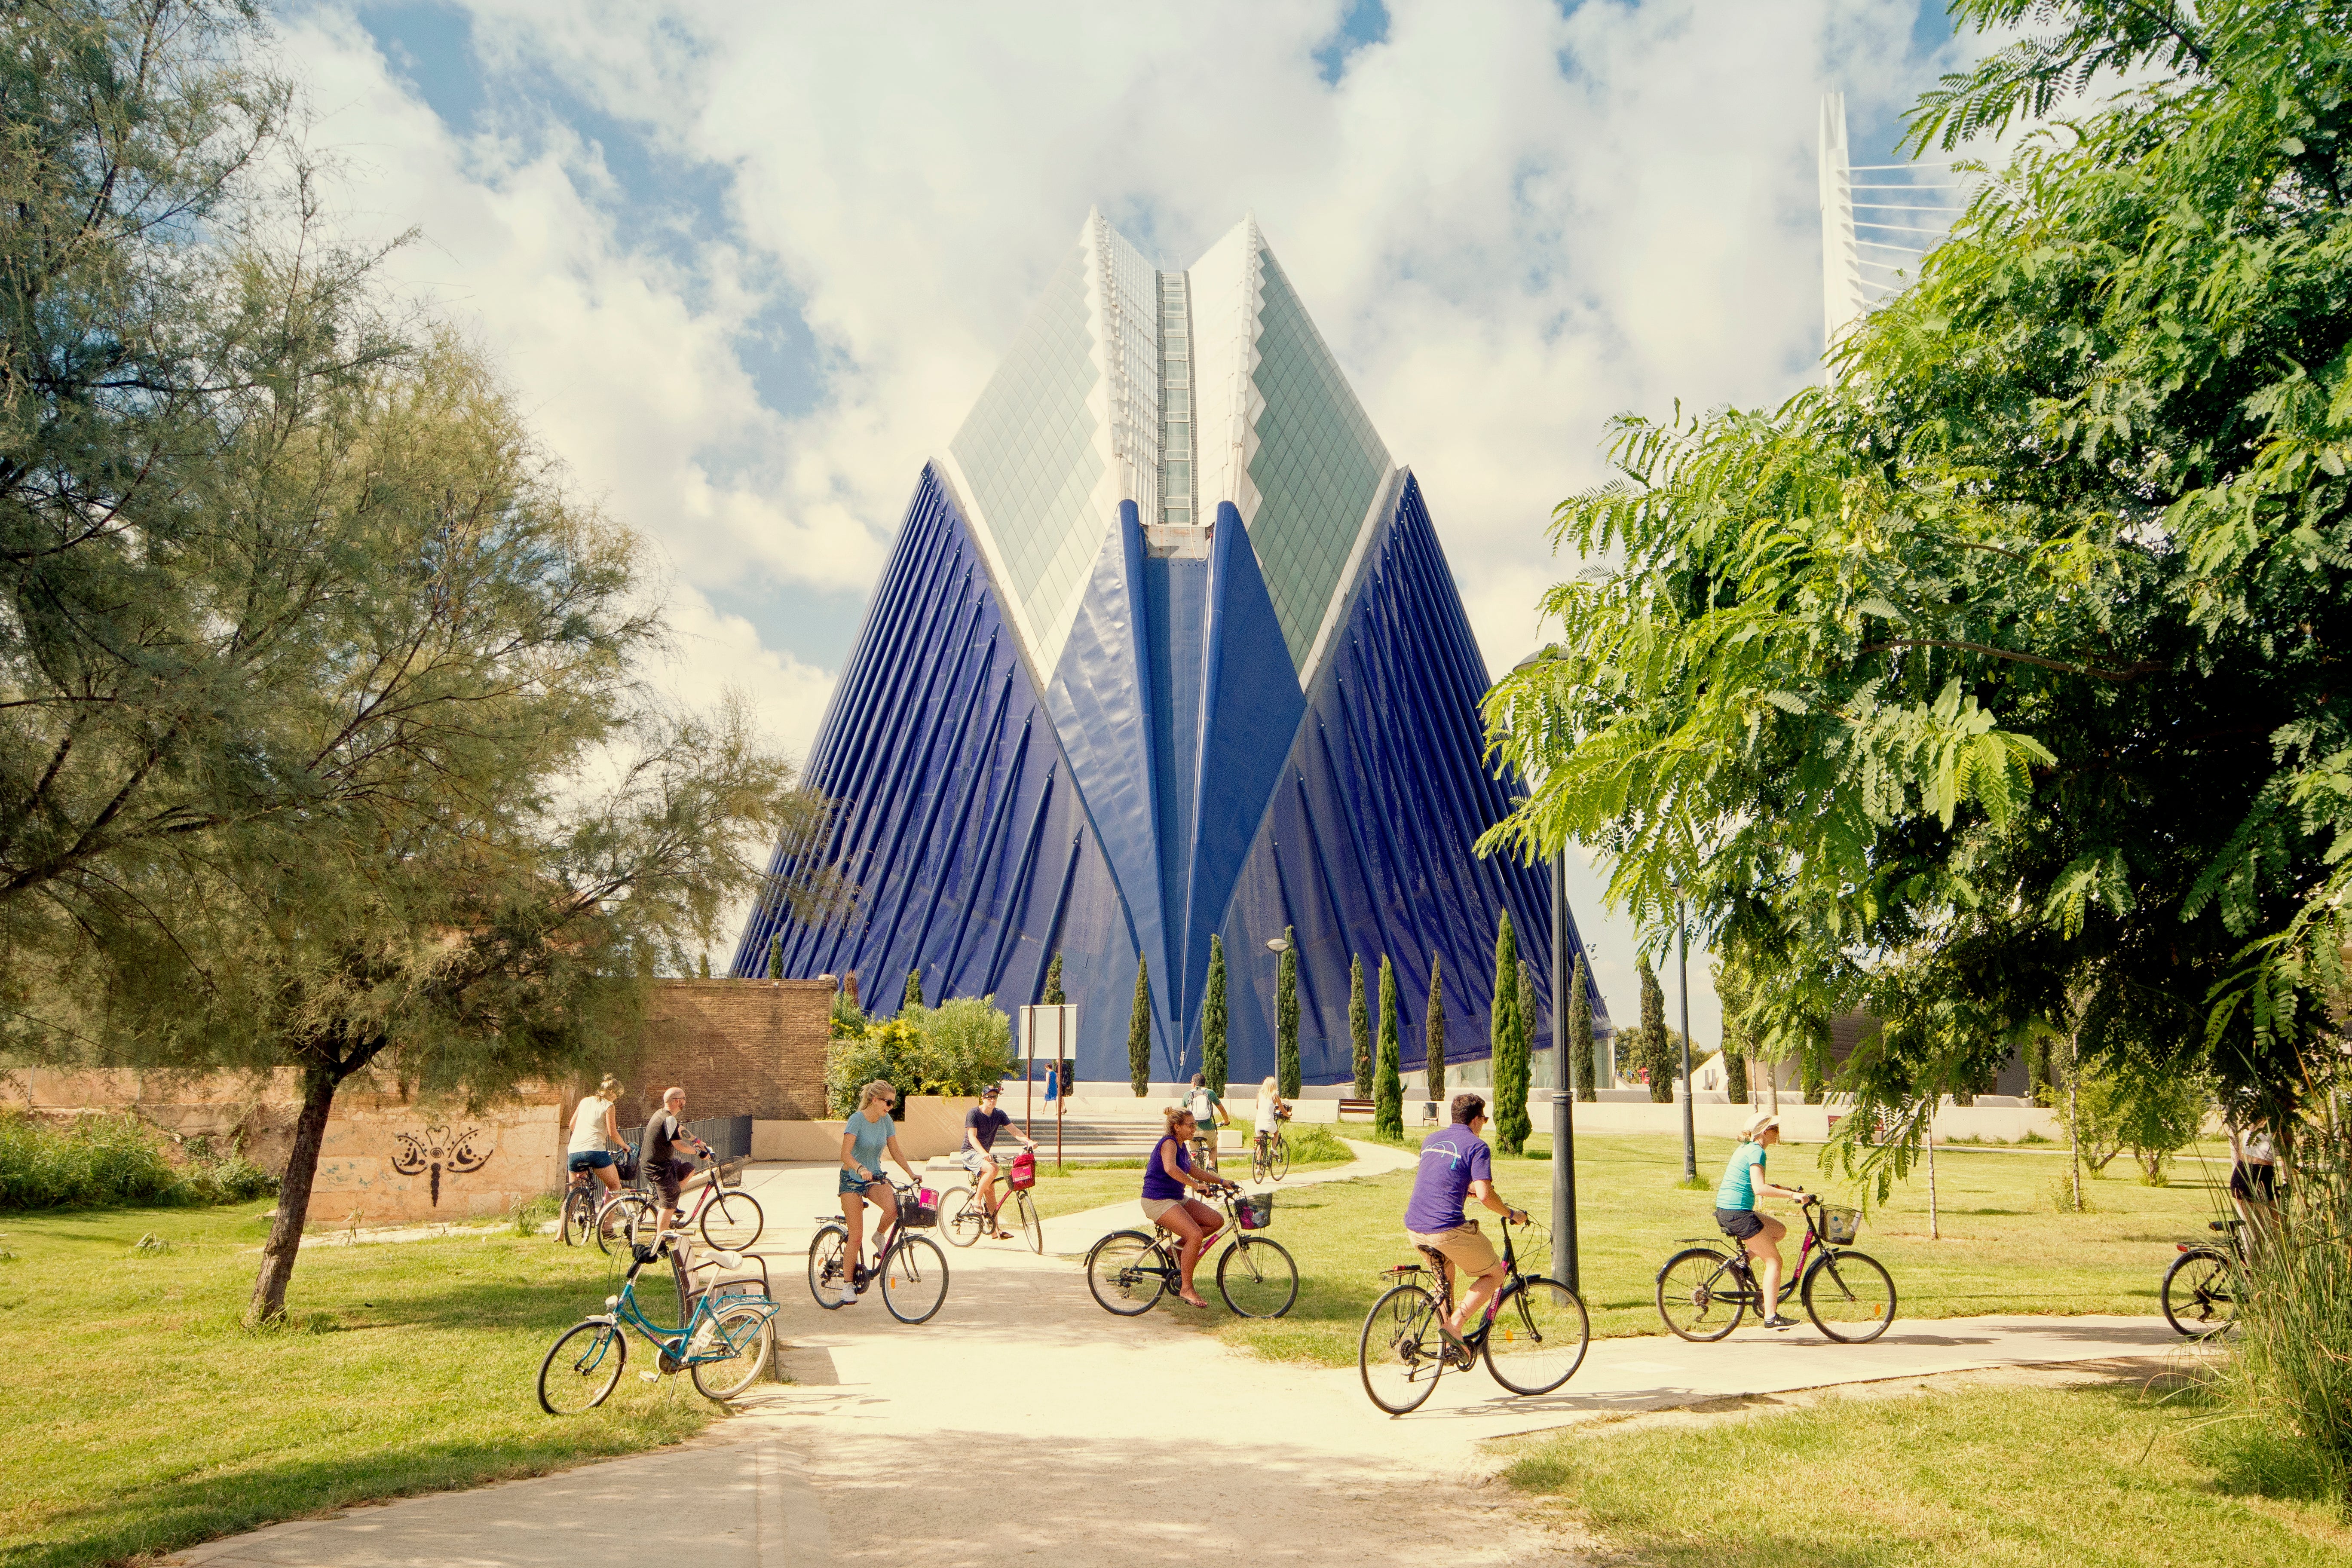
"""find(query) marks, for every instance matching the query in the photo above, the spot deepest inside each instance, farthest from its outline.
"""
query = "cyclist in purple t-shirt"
(1456, 1165)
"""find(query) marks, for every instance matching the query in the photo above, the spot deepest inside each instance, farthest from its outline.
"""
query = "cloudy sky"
(749, 265)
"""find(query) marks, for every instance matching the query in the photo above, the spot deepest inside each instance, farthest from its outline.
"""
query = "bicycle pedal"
(650, 1376)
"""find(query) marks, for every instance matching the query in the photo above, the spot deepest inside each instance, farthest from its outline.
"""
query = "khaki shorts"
(1464, 1247)
(1154, 1207)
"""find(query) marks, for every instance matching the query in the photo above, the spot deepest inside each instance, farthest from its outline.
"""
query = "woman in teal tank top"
(865, 1137)
(1735, 1208)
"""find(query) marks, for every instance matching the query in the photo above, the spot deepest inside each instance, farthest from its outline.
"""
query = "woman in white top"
(594, 1135)
(1270, 1111)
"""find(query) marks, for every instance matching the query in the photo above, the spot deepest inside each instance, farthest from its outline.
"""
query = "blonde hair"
(609, 1088)
(880, 1089)
(1175, 1113)
(1269, 1090)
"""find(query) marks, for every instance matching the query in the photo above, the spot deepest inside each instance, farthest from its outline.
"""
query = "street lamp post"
(1690, 1127)
(1563, 1096)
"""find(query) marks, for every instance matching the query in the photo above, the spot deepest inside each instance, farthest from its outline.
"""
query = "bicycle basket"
(624, 1164)
(731, 1174)
(914, 1213)
(1253, 1211)
(1024, 1174)
(1840, 1226)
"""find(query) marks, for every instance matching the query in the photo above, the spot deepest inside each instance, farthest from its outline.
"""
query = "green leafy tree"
(1359, 1026)
(913, 996)
(1286, 1017)
(1212, 1020)
(1138, 1031)
(1435, 1035)
(1054, 997)
(1658, 1051)
(1507, 1043)
(2014, 649)
(1730, 989)
(1580, 1030)
(1388, 1090)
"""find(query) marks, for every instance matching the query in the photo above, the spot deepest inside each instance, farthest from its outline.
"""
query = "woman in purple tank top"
(1166, 1175)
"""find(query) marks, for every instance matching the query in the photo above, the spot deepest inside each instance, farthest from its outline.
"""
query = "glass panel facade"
(1028, 450)
(1175, 400)
(1318, 462)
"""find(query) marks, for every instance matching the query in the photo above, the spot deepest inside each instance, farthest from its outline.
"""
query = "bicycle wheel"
(1699, 1297)
(1537, 1336)
(573, 1224)
(1257, 1161)
(2201, 1294)
(962, 1219)
(1029, 1229)
(1127, 1271)
(1277, 1159)
(1257, 1278)
(731, 1220)
(581, 1368)
(825, 1268)
(618, 1221)
(915, 1279)
(1402, 1352)
(738, 1349)
(1857, 1301)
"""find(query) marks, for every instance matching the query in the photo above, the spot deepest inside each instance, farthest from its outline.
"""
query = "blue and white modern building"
(1167, 648)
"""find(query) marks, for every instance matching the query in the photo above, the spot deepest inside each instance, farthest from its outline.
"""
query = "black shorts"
(2254, 1183)
(1738, 1224)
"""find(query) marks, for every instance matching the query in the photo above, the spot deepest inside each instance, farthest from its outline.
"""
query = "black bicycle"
(1533, 1337)
(2202, 1287)
(1129, 1271)
(911, 1269)
(1705, 1289)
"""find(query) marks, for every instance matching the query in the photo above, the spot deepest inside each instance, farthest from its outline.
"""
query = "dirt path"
(1024, 1424)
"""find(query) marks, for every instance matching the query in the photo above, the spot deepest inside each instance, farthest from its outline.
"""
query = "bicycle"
(963, 1221)
(723, 1343)
(1269, 1157)
(1849, 1295)
(2202, 1287)
(1533, 1336)
(912, 1269)
(606, 1219)
(1129, 1271)
(728, 1217)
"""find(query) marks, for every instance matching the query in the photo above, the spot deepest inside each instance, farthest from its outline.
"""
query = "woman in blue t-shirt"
(865, 1137)
(1166, 1175)
(1735, 1208)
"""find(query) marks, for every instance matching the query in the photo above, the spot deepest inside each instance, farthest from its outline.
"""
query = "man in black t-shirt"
(657, 1154)
(982, 1123)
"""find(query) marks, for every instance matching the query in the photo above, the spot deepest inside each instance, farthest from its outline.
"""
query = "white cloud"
(1510, 223)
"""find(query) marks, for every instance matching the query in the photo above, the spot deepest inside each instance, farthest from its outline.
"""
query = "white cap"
(1758, 1124)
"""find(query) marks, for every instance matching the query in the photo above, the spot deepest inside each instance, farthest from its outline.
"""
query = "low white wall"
(1799, 1123)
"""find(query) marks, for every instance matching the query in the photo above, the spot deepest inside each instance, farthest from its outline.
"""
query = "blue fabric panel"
(1102, 701)
(1176, 596)
(1249, 725)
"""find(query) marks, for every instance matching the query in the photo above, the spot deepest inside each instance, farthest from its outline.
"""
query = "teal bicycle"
(723, 1342)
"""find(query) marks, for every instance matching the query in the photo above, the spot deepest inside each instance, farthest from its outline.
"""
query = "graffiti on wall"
(435, 1149)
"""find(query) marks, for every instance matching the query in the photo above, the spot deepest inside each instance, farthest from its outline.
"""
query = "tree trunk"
(1935, 1232)
(277, 1253)
(2073, 1119)
(1772, 1077)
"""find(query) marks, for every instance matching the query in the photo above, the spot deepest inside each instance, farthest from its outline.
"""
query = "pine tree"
(1359, 1026)
(1435, 1034)
(1213, 1021)
(1138, 1031)
(1054, 997)
(1388, 1094)
(1507, 1040)
(776, 956)
(1656, 1052)
(913, 997)
(1580, 1030)
(1286, 1017)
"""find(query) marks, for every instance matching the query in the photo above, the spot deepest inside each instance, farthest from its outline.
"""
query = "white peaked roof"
(1176, 391)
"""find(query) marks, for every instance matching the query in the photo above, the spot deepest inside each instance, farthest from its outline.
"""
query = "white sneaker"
(848, 1294)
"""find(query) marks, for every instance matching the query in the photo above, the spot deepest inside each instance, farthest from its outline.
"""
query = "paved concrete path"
(1025, 1423)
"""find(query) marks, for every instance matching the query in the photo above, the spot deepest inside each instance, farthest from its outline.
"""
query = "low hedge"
(108, 1160)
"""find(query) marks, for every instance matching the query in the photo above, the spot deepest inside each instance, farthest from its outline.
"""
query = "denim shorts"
(589, 1160)
(852, 1183)
(1738, 1224)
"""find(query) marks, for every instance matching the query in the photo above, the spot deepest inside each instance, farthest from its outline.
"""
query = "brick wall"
(738, 1047)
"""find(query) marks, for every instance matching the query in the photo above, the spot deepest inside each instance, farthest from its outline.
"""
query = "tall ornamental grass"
(113, 1160)
(2293, 1361)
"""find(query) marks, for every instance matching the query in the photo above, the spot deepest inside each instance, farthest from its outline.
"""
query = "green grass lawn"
(2014, 1478)
(2004, 1248)
(143, 1418)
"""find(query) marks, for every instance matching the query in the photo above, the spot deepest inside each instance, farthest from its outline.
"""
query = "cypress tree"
(1580, 1030)
(1359, 1026)
(1507, 1038)
(1656, 1054)
(776, 956)
(703, 970)
(1286, 1017)
(1388, 1094)
(1435, 1071)
(913, 997)
(1054, 997)
(1138, 1031)
(1528, 1012)
(1213, 1021)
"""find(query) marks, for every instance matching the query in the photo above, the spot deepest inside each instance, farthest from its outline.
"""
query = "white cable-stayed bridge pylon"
(1875, 228)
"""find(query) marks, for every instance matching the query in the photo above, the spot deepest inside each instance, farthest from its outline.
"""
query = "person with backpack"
(1208, 1115)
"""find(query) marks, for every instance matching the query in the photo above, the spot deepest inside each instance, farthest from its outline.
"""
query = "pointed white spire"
(1842, 295)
